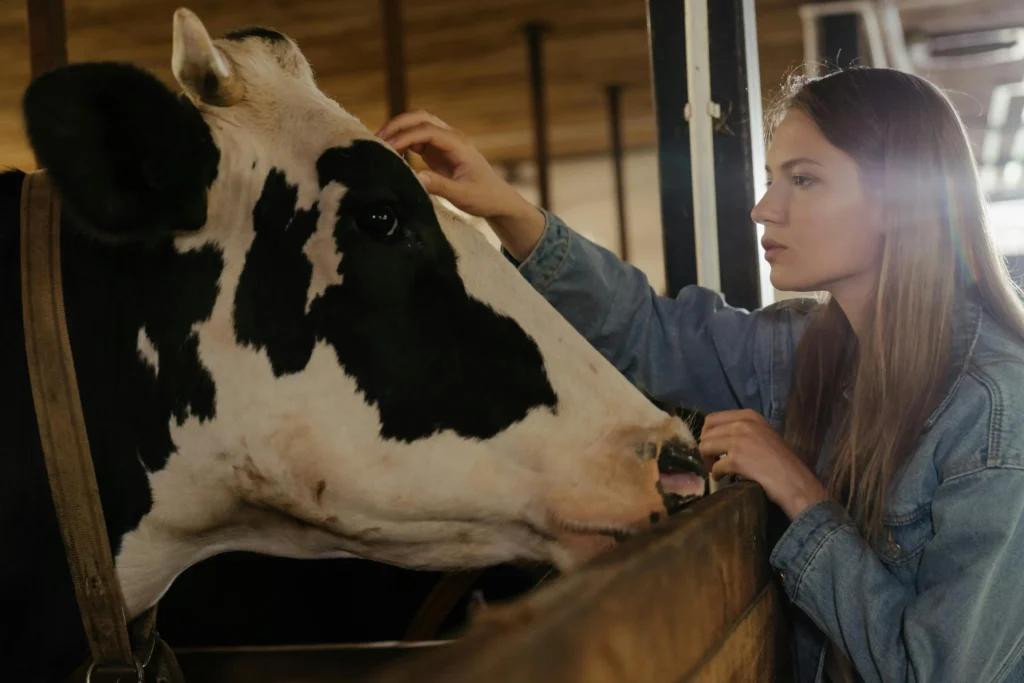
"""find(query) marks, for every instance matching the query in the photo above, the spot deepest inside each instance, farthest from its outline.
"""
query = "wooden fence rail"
(692, 600)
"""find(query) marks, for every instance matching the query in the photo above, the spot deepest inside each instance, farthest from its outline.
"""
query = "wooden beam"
(47, 35)
(394, 55)
(534, 41)
(614, 93)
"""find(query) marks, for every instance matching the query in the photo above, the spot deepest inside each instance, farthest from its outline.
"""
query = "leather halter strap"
(63, 434)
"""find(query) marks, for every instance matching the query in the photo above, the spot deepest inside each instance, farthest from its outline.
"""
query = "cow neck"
(65, 446)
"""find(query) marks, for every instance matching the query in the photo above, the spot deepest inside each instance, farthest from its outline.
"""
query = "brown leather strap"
(62, 430)
(439, 604)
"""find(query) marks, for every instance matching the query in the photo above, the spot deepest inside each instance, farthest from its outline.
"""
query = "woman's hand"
(460, 173)
(741, 442)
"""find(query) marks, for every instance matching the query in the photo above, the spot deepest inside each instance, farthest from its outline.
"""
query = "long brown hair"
(877, 392)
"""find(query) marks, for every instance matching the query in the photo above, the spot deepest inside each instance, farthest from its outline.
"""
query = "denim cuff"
(545, 262)
(812, 529)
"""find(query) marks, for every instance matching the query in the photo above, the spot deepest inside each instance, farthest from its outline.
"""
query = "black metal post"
(615, 124)
(731, 34)
(394, 55)
(840, 41)
(534, 38)
(666, 22)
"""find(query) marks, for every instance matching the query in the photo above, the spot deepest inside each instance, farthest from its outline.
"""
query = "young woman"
(886, 420)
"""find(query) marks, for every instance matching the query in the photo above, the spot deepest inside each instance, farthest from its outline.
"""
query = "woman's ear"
(204, 72)
(129, 158)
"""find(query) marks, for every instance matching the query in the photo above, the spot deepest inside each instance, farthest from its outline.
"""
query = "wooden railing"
(692, 600)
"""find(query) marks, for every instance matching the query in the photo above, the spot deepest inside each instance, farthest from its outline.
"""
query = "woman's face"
(822, 232)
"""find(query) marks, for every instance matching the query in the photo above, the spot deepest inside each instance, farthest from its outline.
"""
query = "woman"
(882, 420)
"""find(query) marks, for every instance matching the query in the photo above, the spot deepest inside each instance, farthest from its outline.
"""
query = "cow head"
(359, 371)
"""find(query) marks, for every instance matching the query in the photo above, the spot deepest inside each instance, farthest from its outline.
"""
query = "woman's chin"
(786, 282)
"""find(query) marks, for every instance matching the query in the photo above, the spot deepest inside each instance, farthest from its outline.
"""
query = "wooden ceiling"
(466, 59)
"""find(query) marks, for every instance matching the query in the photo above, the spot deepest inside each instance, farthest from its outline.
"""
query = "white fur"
(295, 465)
(148, 352)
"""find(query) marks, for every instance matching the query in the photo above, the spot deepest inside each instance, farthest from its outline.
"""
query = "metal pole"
(615, 123)
(839, 34)
(666, 21)
(701, 112)
(394, 55)
(739, 151)
(534, 33)
(47, 35)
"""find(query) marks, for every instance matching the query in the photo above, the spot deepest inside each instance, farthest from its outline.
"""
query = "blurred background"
(469, 62)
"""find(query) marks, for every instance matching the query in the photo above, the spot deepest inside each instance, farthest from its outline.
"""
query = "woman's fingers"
(425, 134)
(730, 416)
(712, 449)
(408, 120)
(723, 467)
(721, 456)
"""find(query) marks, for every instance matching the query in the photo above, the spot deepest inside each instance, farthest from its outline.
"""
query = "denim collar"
(967, 319)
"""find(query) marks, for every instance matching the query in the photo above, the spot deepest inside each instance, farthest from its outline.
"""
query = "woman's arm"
(960, 617)
(965, 619)
(693, 350)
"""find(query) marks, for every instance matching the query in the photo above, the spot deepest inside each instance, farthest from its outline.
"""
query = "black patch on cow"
(132, 160)
(132, 164)
(255, 32)
(110, 292)
(128, 404)
(426, 353)
(278, 322)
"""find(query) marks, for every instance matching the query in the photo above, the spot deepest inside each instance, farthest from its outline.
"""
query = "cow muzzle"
(682, 475)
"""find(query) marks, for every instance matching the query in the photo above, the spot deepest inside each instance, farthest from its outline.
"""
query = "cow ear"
(199, 66)
(129, 158)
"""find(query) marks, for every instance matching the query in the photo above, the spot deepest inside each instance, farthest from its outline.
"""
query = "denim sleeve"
(693, 350)
(964, 621)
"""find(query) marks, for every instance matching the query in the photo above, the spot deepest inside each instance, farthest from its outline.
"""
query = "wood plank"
(753, 651)
(649, 611)
(313, 664)
(47, 35)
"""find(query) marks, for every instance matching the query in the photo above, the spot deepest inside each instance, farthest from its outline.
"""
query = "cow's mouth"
(683, 477)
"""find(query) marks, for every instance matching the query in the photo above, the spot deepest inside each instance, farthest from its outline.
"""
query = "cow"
(285, 346)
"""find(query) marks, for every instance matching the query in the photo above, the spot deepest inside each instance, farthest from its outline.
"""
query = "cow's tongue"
(686, 484)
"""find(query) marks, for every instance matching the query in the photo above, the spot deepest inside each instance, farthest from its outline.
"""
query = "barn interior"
(569, 99)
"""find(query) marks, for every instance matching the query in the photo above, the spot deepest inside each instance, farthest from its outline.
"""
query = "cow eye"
(378, 219)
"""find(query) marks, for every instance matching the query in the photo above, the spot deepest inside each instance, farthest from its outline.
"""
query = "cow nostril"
(677, 457)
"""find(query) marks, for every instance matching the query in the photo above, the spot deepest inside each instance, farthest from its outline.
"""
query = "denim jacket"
(941, 597)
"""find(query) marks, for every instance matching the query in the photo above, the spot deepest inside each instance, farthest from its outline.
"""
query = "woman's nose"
(766, 210)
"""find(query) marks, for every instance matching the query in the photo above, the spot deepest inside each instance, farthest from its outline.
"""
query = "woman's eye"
(378, 219)
(802, 180)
